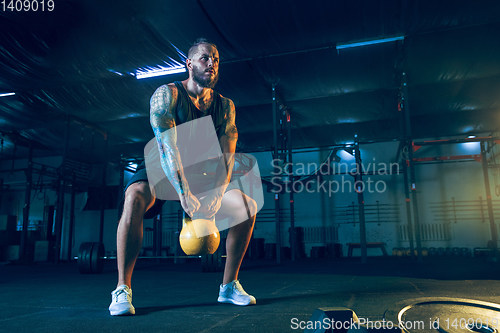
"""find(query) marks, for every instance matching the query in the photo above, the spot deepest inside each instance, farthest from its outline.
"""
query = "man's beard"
(205, 82)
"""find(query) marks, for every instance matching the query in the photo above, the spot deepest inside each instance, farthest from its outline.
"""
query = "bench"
(372, 245)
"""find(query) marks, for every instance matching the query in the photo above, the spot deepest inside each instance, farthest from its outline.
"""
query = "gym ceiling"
(77, 63)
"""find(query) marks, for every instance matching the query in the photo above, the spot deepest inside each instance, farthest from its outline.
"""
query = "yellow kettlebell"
(199, 235)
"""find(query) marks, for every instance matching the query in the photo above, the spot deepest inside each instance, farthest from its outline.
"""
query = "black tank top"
(184, 113)
(196, 143)
(187, 111)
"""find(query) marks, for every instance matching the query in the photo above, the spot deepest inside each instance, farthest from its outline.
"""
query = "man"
(172, 105)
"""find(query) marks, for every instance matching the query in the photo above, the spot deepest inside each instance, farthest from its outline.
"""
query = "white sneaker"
(234, 293)
(121, 301)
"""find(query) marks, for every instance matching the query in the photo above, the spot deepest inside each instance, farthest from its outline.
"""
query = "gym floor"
(180, 298)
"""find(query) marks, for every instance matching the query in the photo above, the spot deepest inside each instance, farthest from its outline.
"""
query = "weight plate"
(88, 258)
(97, 260)
(81, 266)
(445, 315)
(94, 258)
(84, 253)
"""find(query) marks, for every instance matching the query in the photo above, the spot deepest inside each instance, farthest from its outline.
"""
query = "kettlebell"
(199, 235)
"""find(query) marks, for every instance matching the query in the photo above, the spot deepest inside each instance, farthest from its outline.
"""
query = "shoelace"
(117, 294)
(239, 288)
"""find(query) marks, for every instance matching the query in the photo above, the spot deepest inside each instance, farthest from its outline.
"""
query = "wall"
(436, 183)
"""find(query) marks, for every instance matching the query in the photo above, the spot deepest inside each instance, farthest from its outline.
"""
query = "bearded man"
(172, 105)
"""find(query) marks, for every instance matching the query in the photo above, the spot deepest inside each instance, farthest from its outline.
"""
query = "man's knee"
(139, 196)
(251, 207)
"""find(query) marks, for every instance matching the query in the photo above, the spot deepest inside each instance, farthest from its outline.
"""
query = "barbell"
(91, 259)
(199, 238)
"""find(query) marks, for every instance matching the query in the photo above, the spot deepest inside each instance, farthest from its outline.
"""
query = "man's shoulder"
(164, 96)
(227, 103)
(166, 88)
(171, 85)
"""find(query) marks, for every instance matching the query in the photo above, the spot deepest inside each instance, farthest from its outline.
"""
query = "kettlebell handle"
(196, 216)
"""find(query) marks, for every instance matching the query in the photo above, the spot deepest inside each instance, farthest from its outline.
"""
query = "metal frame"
(283, 151)
(448, 159)
(63, 179)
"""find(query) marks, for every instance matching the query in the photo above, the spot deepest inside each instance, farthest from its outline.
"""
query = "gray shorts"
(166, 188)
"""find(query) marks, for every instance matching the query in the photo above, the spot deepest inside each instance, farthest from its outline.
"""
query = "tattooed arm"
(163, 103)
(211, 204)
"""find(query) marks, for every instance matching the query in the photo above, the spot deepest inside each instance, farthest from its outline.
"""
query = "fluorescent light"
(7, 94)
(471, 136)
(369, 42)
(115, 72)
(159, 71)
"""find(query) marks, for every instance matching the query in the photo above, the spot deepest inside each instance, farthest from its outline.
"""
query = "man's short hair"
(197, 43)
